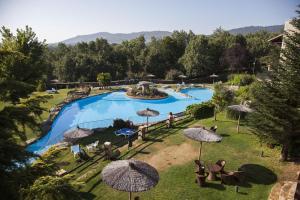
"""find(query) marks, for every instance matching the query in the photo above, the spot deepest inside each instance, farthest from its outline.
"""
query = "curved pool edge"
(65, 106)
(62, 108)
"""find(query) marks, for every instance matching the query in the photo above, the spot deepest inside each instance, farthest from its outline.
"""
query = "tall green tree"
(196, 60)
(21, 68)
(277, 102)
(221, 99)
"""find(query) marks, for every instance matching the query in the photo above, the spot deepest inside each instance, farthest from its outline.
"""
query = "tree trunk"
(215, 115)
(284, 152)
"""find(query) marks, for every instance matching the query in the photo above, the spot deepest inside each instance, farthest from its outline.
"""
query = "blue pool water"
(100, 111)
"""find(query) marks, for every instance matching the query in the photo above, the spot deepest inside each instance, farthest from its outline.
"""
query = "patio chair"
(228, 178)
(75, 149)
(200, 179)
(214, 128)
(221, 163)
(199, 167)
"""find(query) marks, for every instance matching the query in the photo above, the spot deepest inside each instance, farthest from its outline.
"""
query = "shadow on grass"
(216, 186)
(224, 135)
(87, 195)
(258, 174)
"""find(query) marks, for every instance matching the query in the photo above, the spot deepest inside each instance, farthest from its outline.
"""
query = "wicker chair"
(232, 178)
(221, 163)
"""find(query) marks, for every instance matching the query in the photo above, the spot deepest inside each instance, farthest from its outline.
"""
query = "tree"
(236, 57)
(51, 188)
(104, 78)
(21, 67)
(196, 59)
(221, 99)
(276, 102)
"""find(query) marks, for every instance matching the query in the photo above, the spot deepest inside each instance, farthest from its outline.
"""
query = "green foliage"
(277, 102)
(173, 74)
(222, 98)
(41, 86)
(241, 79)
(120, 123)
(51, 188)
(201, 111)
(104, 78)
(197, 59)
(21, 67)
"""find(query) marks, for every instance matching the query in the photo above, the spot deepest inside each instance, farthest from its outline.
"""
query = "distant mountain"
(253, 29)
(115, 37)
(118, 38)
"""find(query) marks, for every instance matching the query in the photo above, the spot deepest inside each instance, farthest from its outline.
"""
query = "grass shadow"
(258, 174)
(216, 186)
(87, 195)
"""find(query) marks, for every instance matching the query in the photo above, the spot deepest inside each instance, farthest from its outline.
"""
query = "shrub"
(41, 86)
(173, 74)
(120, 123)
(201, 111)
(241, 79)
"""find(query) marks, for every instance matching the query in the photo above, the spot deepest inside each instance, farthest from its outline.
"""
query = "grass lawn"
(173, 155)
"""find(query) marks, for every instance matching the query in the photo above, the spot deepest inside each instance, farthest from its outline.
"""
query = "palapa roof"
(130, 175)
(147, 113)
(78, 133)
(240, 108)
(201, 135)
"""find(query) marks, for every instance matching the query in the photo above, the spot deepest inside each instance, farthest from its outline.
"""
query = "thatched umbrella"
(148, 113)
(240, 108)
(201, 135)
(130, 176)
(77, 133)
(213, 76)
(150, 75)
(145, 85)
(182, 77)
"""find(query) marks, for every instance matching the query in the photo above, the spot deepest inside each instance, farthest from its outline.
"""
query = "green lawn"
(177, 179)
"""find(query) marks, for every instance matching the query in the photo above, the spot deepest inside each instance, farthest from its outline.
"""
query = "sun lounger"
(92, 146)
(127, 132)
(75, 149)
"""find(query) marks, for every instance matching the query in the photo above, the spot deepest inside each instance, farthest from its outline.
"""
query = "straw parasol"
(201, 135)
(130, 176)
(182, 77)
(148, 113)
(150, 75)
(213, 76)
(73, 135)
(240, 108)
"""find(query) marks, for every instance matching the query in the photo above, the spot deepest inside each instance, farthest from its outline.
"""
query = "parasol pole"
(200, 150)
(238, 125)
(129, 195)
(147, 122)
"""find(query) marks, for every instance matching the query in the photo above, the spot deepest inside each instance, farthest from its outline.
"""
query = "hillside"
(253, 29)
(116, 37)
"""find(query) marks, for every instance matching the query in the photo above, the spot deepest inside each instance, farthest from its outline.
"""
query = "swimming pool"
(100, 111)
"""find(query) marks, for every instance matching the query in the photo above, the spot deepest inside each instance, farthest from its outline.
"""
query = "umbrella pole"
(200, 149)
(147, 123)
(238, 125)
(129, 195)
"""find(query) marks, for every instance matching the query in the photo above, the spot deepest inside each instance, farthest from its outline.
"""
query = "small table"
(213, 170)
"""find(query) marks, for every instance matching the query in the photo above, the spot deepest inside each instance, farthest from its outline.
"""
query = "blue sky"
(56, 20)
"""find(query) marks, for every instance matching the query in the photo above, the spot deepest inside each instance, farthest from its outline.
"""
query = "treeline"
(181, 53)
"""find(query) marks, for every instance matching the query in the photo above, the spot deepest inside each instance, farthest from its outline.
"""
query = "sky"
(57, 20)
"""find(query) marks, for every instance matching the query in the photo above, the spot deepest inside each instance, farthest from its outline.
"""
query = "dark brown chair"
(232, 178)
(200, 179)
(199, 167)
(221, 163)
